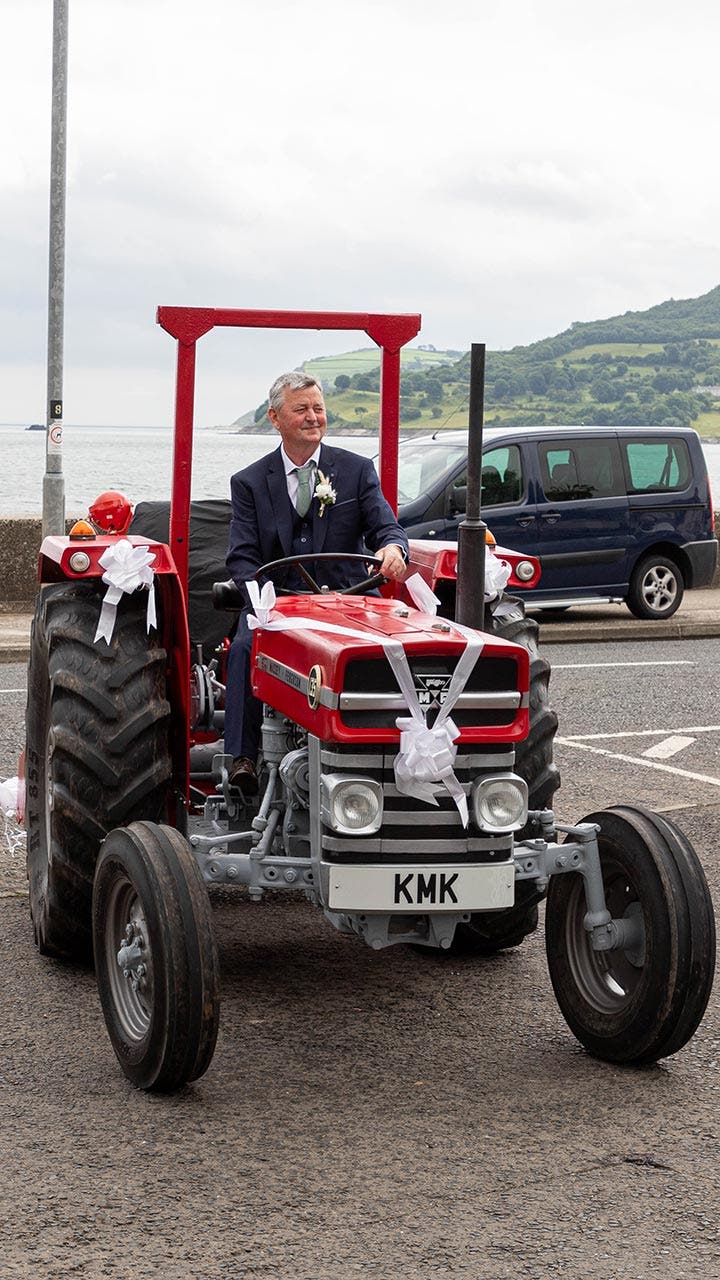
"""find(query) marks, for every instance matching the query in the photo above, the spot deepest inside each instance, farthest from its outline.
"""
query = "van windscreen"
(422, 465)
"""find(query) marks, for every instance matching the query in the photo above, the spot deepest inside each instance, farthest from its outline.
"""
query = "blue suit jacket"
(261, 529)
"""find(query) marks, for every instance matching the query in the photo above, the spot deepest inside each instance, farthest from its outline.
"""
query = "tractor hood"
(321, 661)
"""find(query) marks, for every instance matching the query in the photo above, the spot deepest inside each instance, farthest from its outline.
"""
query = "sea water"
(138, 462)
(135, 460)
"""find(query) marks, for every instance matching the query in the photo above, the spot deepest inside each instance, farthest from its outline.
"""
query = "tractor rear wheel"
(97, 751)
(155, 957)
(644, 1000)
(488, 932)
(534, 756)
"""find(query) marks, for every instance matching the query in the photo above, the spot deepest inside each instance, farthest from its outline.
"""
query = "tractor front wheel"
(644, 1000)
(155, 956)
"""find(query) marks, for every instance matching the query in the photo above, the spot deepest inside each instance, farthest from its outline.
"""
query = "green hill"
(656, 367)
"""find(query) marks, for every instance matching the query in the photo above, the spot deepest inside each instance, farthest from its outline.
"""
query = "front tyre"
(155, 957)
(656, 588)
(644, 1002)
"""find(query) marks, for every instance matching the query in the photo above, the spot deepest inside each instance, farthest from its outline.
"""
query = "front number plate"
(444, 888)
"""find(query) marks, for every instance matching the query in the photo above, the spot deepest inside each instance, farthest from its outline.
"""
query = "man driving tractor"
(304, 497)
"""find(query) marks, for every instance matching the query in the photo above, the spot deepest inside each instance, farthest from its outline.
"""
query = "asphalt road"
(386, 1114)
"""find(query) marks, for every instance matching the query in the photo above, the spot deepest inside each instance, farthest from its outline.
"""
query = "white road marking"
(639, 733)
(594, 666)
(646, 764)
(13, 690)
(668, 747)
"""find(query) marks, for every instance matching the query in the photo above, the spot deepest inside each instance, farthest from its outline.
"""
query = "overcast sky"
(503, 168)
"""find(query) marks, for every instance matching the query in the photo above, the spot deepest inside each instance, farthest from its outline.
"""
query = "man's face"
(301, 421)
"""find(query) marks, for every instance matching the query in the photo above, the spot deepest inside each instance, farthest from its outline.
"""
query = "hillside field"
(659, 367)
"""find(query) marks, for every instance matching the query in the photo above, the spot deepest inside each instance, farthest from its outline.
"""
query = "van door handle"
(552, 517)
(524, 521)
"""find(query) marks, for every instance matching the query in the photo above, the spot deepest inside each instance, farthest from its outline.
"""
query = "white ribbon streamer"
(9, 796)
(497, 574)
(426, 758)
(422, 595)
(126, 568)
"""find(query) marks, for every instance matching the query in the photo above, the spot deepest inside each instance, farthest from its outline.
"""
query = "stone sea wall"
(19, 546)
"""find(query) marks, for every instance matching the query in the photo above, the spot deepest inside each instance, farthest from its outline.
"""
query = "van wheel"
(656, 588)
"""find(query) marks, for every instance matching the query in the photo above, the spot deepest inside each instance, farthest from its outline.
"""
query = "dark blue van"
(613, 513)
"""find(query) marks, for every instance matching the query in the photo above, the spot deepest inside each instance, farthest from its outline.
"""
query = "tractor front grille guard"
(255, 857)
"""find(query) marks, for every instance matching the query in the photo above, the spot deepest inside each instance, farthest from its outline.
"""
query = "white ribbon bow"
(262, 602)
(426, 757)
(126, 568)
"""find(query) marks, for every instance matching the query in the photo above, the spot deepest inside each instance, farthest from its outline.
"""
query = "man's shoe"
(243, 775)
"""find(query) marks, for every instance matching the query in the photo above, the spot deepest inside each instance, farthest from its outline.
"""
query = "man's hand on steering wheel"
(392, 561)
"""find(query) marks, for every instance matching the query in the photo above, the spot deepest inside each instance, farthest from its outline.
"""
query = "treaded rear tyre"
(488, 932)
(97, 750)
(155, 956)
(534, 756)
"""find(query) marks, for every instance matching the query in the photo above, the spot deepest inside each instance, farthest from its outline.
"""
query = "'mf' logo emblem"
(432, 690)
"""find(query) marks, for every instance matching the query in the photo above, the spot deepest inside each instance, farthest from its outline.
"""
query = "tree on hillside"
(603, 391)
(342, 382)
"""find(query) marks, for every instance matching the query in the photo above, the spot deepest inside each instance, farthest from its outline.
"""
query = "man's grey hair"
(294, 381)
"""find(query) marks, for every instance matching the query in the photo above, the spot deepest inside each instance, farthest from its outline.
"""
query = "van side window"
(657, 466)
(581, 469)
(502, 478)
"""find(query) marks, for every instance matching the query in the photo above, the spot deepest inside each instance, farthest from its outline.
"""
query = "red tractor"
(406, 780)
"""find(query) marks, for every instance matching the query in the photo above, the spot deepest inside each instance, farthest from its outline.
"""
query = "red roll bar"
(187, 324)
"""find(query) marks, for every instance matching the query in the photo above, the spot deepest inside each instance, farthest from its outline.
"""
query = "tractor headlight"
(500, 803)
(79, 561)
(524, 570)
(351, 806)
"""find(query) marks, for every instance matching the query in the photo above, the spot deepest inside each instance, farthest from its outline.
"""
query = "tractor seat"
(226, 596)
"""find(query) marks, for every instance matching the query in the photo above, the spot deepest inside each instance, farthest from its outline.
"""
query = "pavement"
(698, 616)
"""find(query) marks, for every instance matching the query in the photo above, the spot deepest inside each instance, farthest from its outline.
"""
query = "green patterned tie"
(304, 496)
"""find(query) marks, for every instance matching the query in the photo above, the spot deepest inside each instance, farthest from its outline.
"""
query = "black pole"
(470, 598)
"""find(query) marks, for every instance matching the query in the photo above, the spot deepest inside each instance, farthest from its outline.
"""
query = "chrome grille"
(370, 697)
(413, 830)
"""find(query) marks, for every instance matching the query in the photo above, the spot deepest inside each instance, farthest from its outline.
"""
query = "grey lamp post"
(53, 521)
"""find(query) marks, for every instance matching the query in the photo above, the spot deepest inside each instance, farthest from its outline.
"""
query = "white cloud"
(504, 169)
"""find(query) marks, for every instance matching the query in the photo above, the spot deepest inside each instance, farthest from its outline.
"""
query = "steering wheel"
(299, 562)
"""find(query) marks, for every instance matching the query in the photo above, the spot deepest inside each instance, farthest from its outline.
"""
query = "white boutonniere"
(324, 492)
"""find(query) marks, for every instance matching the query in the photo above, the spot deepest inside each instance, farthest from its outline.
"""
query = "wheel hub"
(129, 957)
(659, 588)
(129, 965)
